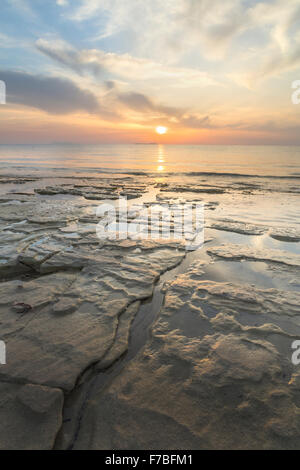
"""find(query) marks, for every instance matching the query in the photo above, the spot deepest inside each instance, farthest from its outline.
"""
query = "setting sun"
(161, 130)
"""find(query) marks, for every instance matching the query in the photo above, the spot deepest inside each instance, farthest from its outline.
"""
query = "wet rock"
(66, 306)
(120, 345)
(212, 381)
(30, 416)
(244, 252)
(285, 234)
(216, 358)
(21, 307)
(39, 252)
(237, 227)
(37, 294)
(221, 295)
(194, 189)
(39, 399)
(11, 267)
(96, 191)
(75, 310)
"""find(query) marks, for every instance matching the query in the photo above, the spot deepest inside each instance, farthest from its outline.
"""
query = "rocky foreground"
(215, 370)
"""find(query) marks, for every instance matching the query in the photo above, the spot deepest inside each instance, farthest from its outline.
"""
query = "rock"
(237, 227)
(204, 380)
(216, 371)
(244, 252)
(22, 308)
(40, 399)
(66, 306)
(10, 267)
(88, 291)
(285, 234)
(120, 345)
(39, 252)
(194, 189)
(30, 416)
(95, 191)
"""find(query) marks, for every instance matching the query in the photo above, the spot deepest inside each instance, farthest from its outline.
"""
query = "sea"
(277, 161)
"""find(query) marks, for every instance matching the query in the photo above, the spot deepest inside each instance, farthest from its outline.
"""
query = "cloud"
(68, 56)
(51, 94)
(212, 25)
(280, 21)
(88, 8)
(100, 64)
(283, 53)
(143, 104)
(152, 111)
(278, 63)
(164, 32)
(179, 25)
(196, 122)
(137, 101)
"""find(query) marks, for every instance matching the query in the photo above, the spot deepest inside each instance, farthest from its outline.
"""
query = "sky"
(111, 71)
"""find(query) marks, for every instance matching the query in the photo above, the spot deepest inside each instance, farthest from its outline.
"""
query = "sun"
(161, 130)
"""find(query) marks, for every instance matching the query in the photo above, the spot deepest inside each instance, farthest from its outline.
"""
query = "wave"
(151, 173)
(239, 175)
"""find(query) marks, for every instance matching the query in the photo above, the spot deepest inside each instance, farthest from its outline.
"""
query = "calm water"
(252, 160)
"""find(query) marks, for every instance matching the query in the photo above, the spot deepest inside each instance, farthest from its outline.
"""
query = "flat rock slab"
(30, 416)
(237, 227)
(244, 252)
(205, 380)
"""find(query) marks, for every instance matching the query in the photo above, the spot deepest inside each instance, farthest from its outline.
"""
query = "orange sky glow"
(217, 82)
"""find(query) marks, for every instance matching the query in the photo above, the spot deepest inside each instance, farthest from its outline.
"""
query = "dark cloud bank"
(52, 94)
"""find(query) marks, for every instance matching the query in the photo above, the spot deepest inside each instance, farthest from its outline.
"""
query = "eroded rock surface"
(216, 371)
(30, 416)
(237, 227)
(67, 302)
(207, 379)
(286, 234)
(94, 190)
(244, 252)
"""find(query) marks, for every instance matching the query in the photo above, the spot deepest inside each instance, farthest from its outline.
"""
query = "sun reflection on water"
(161, 158)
